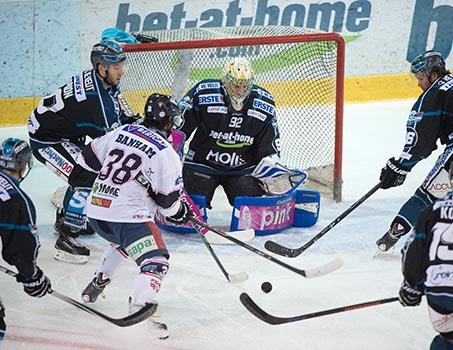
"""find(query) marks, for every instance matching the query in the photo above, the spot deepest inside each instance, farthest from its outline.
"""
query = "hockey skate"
(392, 236)
(69, 249)
(95, 288)
(156, 328)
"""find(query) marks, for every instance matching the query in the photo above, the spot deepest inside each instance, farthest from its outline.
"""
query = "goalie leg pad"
(266, 215)
(307, 208)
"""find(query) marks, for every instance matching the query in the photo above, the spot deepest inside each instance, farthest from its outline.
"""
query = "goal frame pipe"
(279, 39)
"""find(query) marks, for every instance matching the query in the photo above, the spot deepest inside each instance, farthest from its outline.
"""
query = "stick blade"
(255, 310)
(277, 248)
(237, 278)
(140, 315)
(324, 269)
(243, 236)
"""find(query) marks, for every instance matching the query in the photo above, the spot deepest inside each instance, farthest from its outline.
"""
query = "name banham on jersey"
(139, 172)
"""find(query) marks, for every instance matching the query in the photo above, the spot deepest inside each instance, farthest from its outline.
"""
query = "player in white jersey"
(138, 174)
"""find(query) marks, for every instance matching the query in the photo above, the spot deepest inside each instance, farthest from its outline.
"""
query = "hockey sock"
(110, 261)
(414, 206)
(147, 283)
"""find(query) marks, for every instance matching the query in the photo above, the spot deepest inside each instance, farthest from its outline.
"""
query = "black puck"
(266, 287)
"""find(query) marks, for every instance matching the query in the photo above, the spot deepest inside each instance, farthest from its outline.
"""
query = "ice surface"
(203, 311)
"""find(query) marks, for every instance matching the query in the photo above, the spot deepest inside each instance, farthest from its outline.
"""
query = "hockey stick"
(251, 306)
(314, 272)
(141, 315)
(232, 278)
(292, 253)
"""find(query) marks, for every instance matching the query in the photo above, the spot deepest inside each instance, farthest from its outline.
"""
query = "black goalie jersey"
(228, 141)
(83, 107)
(428, 255)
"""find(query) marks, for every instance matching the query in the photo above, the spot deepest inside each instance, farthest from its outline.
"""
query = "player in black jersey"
(86, 106)
(18, 221)
(431, 119)
(428, 268)
(235, 127)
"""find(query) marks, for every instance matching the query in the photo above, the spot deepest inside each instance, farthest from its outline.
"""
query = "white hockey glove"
(276, 178)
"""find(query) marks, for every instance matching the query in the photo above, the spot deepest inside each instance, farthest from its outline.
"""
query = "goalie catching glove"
(182, 216)
(37, 286)
(276, 178)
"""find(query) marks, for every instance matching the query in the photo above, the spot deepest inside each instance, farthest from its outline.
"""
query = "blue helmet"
(428, 62)
(15, 154)
(106, 52)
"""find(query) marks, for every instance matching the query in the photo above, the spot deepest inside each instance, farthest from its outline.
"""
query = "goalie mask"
(16, 155)
(162, 113)
(238, 80)
(429, 62)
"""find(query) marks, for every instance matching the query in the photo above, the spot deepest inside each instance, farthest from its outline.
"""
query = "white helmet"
(238, 71)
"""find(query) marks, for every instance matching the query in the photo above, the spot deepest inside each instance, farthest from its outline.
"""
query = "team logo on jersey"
(414, 118)
(105, 189)
(263, 93)
(264, 106)
(231, 139)
(218, 109)
(230, 159)
(210, 99)
(257, 115)
(79, 89)
(209, 85)
(101, 202)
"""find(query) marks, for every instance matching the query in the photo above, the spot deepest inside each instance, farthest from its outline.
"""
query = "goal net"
(302, 69)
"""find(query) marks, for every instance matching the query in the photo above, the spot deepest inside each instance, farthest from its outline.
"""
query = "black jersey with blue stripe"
(428, 255)
(17, 226)
(82, 107)
(430, 120)
(227, 141)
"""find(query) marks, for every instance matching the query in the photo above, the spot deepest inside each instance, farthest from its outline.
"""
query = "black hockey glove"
(409, 296)
(393, 174)
(182, 216)
(37, 286)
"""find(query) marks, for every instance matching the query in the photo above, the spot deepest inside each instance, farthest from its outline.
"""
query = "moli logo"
(332, 17)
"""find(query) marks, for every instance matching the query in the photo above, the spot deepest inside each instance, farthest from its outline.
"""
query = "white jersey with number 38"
(139, 172)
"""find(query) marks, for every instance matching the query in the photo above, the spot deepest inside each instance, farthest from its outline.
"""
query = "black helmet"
(15, 154)
(428, 62)
(106, 52)
(161, 112)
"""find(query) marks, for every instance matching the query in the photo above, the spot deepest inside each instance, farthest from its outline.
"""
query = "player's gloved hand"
(409, 296)
(182, 216)
(393, 174)
(37, 286)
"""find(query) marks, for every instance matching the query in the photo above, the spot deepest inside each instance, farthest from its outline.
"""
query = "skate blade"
(70, 258)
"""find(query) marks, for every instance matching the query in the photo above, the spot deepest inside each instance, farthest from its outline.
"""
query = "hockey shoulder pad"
(276, 178)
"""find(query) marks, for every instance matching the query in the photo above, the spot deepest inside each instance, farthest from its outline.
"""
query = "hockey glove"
(182, 216)
(37, 286)
(393, 174)
(409, 296)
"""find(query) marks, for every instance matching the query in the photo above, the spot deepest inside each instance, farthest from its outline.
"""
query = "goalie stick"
(277, 248)
(140, 315)
(310, 273)
(251, 306)
(232, 278)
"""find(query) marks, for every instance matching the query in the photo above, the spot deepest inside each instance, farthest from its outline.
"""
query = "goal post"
(302, 69)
